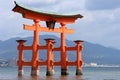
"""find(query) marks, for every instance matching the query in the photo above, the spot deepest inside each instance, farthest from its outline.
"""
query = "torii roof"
(45, 16)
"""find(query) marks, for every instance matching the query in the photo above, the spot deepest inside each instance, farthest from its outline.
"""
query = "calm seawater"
(89, 73)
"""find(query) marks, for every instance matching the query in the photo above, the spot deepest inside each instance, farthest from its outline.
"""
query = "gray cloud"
(102, 4)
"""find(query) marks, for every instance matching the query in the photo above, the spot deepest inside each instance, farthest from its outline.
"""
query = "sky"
(100, 24)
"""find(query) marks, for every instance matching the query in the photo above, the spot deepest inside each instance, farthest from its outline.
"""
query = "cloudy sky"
(100, 25)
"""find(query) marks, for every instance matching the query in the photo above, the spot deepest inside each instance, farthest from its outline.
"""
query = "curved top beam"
(45, 16)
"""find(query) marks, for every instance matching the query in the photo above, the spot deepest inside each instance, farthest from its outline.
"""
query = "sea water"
(89, 73)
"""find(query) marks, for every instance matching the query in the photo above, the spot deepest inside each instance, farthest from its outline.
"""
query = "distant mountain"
(91, 52)
(100, 54)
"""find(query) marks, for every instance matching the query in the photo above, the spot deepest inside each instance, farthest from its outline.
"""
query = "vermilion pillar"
(64, 58)
(79, 57)
(35, 56)
(20, 57)
(50, 59)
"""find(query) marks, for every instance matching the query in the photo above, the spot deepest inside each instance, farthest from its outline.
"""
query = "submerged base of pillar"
(34, 72)
(20, 72)
(78, 72)
(49, 73)
(64, 72)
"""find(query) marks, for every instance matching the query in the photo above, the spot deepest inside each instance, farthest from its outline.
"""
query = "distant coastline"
(92, 64)
(13, 63)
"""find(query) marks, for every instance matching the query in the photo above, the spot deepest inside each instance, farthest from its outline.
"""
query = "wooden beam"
(57, 63)
(71, 63)
(57, 49)
(27, 48)
(42, 63)
(42, 47)
(28, 27)
(45, 29)
(27, 63)
(71, 48)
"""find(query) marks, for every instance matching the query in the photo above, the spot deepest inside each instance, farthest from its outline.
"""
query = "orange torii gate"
(50, 20)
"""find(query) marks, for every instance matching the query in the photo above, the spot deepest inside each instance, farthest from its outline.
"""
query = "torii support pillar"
(50, 56)
(21, 57)
(79, 57)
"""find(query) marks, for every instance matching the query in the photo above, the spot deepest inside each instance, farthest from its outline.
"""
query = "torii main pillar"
(35, 56)
(64, 58)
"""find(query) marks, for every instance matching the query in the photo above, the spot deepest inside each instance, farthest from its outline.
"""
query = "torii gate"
(50, 20)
